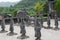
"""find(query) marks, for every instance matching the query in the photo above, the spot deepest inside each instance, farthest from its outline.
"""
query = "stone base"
(48, 27)
(42, 26)
(11, 34)
(3, 31)
(56, 29)
(22, 37)
(38, 39)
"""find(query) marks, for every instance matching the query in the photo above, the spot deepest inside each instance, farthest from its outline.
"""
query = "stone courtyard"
(47, 34)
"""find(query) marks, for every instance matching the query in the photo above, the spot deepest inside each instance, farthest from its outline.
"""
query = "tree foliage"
(33, 6)
(39, 7)
(57, 6)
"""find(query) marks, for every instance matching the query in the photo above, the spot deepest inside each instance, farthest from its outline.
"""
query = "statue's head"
(22, 9)
(22, 13)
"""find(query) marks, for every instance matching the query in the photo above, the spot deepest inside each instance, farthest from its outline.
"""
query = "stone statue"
(51, 4)
(41, 19)
(37, 29)
(22, 26)
(22, 14)
(3, 26)
(11, 33)
(56, 22)
(48, 22)
(23, 30)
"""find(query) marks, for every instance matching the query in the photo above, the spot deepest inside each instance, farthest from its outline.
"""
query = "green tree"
(39, 7)
(57, 6)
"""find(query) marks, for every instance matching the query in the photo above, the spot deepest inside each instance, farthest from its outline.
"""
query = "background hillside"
(7, 4)
(32, 5)
(28, 3)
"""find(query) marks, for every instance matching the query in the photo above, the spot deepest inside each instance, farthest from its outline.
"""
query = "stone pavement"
(47, 34)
